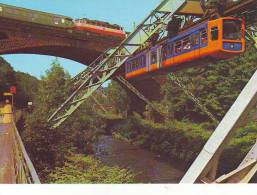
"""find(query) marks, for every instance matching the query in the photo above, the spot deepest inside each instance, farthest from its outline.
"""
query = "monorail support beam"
(128, 85)
(251, 34)
(245, 171)
(223, 133)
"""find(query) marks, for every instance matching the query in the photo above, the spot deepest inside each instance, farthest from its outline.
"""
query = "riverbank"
(148, 166)
(182, 141)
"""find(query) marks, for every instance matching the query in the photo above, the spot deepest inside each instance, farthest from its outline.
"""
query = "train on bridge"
(211, 40)
(54, 20)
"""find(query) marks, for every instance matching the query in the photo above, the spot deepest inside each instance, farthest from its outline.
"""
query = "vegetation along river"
(148, 166)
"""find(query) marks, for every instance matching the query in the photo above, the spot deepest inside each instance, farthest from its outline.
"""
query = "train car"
(214, 40)
(99, 27)
(37, 17)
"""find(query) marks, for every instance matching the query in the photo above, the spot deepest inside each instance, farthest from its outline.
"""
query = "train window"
(204, 37)
(1, 9)
(170, 49)
(127, 68)
(178, 47)
(187, 44)
(137, 63)
(133, 65)
(153, 57)
(165, 51)
(56, 20)
(141, 62)
(232, 29)
(195, 40)
(214, 33)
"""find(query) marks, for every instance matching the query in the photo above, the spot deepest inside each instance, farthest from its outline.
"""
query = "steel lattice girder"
(109, 65)
(138, 94)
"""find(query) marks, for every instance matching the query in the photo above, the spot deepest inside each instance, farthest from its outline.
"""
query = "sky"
(123, 12)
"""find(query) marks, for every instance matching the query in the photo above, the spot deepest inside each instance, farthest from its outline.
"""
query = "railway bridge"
(19, 36)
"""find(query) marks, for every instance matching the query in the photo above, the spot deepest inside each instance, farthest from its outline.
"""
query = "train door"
(215, 36)
(153, 59)
(195, 40)
(203, 42)
(148, 60)
(159, 57)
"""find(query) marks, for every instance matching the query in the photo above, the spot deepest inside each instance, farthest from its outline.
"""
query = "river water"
(147, 165)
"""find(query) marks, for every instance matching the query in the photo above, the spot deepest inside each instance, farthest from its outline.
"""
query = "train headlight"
(232, 46)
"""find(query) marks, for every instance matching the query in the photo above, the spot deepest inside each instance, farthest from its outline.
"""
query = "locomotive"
(100, 27)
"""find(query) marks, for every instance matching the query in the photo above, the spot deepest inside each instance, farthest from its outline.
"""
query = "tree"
(7, 77)
(27, 86)
(47, 147)
(118, 98)
(217, 85)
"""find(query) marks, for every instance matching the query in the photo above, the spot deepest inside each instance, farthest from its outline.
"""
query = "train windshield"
(232, 29)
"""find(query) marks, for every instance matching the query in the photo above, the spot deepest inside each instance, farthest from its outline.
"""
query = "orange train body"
(218, 39)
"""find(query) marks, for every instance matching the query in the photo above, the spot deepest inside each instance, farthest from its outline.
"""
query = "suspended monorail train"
(212, 40)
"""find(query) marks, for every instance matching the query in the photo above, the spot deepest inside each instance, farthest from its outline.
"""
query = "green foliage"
(118, 98)
(52, 90)
(87, 170)
(7, 77)
(184, 140)
(239, 146)
(216, 85)
(26, 84)
(47, 147)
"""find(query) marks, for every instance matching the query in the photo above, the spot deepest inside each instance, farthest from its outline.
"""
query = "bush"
(87, 170)
(183, 140)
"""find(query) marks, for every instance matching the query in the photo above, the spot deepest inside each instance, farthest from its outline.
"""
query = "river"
(148, 166)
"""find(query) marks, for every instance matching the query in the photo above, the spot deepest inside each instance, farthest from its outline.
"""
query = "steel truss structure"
(109, 65)
(138, 94)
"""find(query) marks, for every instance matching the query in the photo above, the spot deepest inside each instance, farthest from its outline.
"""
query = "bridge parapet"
(15, 164)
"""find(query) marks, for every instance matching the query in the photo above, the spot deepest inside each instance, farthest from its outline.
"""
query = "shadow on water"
(147, 165)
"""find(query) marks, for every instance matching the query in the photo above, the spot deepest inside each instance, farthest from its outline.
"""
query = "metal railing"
(1, 115)
(24, 170)
(19, 163)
